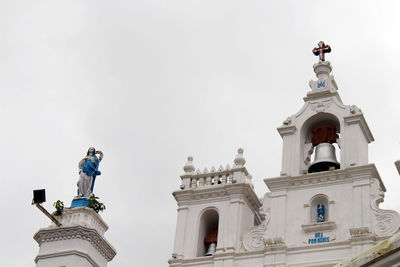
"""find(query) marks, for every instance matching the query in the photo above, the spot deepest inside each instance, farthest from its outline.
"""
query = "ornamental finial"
(239, 159)
(321, 50)
(189, 167)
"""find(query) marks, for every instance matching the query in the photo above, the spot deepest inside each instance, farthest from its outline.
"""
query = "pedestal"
(78, 242)
(80, 202)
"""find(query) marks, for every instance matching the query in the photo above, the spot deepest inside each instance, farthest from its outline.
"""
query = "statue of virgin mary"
(88, 170)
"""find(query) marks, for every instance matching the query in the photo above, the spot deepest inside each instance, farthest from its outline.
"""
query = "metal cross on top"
(321, 50)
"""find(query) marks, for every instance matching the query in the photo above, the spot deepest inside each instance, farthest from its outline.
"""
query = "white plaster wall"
(276, 227)
(349, 208)
(83, 246)
(247, 222)
(355, 146)
(318, 255)
(64, 261)
(249, 261)
(180, 232)
(298, 213)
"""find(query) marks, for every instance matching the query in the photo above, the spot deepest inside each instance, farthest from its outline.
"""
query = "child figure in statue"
(88, 170)
(320, 213)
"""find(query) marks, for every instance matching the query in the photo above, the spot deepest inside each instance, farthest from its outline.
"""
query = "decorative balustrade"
(195, 179)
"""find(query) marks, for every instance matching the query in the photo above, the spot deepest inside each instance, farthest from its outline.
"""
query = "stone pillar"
(78, 242)
(180, 232)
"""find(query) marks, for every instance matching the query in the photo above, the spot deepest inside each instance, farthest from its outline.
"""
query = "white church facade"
(317, 212)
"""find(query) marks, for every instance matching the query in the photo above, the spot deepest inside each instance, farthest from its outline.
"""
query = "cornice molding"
(321, 94)
(219, 192)
(348, 174)
(76, 232)
(251, 254)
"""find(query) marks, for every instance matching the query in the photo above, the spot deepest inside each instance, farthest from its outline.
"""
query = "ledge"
(350, 174)
(315, 227)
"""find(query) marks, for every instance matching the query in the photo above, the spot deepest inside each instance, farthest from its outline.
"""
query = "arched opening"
(319, 137)
(208, 232)
(319, 209)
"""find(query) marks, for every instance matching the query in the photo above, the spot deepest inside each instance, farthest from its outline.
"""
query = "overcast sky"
(151, 82)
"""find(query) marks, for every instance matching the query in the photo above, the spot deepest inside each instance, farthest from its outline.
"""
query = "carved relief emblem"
(321, 105)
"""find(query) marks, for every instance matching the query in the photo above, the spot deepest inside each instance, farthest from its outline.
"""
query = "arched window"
(208, 232)
(319, 209)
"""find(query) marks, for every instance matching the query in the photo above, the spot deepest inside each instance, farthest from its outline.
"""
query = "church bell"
(211, 249)
(325, 156)
(211, 241)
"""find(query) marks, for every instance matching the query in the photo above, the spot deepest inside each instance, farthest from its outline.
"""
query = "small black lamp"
(39, 196)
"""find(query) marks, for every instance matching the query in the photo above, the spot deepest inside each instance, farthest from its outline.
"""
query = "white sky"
(151, 82)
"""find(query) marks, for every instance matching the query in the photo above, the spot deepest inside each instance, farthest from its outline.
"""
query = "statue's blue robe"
(91, 169)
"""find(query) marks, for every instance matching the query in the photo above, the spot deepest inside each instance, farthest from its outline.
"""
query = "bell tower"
(215, 208)
(328, 188)
(324, 119)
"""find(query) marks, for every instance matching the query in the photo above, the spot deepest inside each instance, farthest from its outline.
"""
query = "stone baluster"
(208, 180)
(207, 177)
(218, 179)
(201, 181)
(223, 179)
(194, 182)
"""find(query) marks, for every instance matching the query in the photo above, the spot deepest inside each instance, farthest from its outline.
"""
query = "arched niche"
(209, 220)
(306, 148)
(316, 202)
